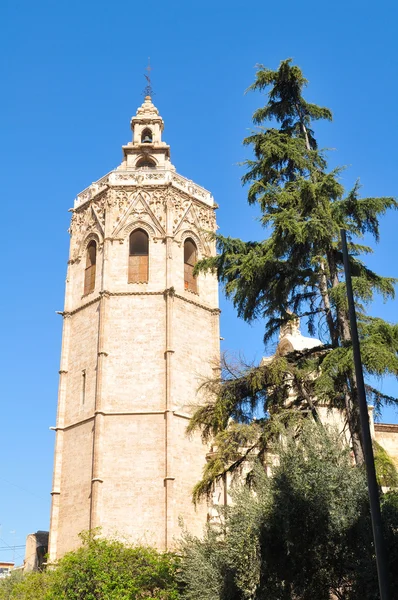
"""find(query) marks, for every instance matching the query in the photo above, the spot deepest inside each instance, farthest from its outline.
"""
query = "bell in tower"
(147, 127)
(146, 136)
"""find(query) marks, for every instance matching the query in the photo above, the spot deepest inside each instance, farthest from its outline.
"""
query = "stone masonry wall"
(140, 351)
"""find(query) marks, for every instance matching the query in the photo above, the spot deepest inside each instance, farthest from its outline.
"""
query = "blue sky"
(72, 77)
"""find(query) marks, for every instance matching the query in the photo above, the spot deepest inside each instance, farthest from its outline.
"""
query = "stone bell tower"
(140, 335)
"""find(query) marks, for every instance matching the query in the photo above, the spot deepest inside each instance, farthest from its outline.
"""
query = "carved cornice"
(386, 427)
(131, 178)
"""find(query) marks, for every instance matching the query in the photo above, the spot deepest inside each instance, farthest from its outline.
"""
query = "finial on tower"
(148, 91)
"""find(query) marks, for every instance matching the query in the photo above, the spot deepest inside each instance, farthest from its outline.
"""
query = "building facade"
(140, 334)
(385, 434)
(5, 569)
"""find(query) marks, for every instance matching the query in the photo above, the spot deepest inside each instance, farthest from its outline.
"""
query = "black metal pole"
(380, 548)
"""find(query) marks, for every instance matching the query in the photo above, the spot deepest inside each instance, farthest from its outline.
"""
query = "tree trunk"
(351, 398)
(301, 387)
(303, 127)
(323, 286)
(350, 392)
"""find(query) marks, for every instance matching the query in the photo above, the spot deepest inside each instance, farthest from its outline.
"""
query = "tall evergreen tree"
(297, 271)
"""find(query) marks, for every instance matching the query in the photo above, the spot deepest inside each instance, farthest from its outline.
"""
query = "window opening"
(190, 260)
(138, 257)
(145, 163)
(83, 386)
(146, 136)
(89, 274)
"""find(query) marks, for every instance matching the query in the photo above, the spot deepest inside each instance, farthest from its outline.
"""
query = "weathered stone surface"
(133, 355)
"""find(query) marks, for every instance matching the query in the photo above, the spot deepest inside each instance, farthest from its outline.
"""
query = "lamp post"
(374, 500)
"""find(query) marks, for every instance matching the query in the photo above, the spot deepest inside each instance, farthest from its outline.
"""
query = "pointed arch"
(138, 256)
(147, 136)
(194, 236)
(140, 224)
(145, 162)
(190, 260)
(91, 265)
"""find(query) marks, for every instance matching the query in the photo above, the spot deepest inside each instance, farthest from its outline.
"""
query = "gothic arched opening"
(146, 136)
(89, 273)
(138, 256)
(190, 260)
(145, 162)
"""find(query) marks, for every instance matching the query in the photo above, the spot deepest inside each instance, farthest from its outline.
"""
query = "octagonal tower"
(140, 334)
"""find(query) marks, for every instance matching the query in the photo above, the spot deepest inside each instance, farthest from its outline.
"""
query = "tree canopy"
(304, 533)
(297, 271)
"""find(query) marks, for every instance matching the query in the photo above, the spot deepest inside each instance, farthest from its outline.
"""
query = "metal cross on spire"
(148, 88)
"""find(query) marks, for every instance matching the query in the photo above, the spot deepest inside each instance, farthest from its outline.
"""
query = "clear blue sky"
(72, 76)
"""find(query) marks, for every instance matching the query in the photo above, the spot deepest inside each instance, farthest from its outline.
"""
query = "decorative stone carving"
(139, 208)
(181, 203)
(205, 215)
(157, 202)
(122, 199)
(207, 218)
(87, 221)
(78, 218)
(83, 217)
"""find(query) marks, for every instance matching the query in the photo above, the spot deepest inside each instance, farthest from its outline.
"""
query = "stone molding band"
(124, 413)
(70, 313)
(386, 427)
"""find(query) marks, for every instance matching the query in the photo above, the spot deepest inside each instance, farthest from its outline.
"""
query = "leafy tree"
(105, 569)
(386, 471)
(33, 586)
(303, 533)
(8, 583)
(297, 271)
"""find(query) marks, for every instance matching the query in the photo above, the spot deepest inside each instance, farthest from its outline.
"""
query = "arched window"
(190, 259)
(89, 274)
(138, 257)
(146, 136)
(145, 162)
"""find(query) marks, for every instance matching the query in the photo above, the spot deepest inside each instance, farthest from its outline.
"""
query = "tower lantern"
(147, 146)
(140, 335)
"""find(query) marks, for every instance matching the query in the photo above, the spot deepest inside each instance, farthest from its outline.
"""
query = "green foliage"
(303, 533)
(33, 586)
(8, 584)
(297, 271)
(386, 471)
(102, 569)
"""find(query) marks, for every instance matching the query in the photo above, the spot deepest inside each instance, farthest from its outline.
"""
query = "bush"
(101, 569)
(305, 533)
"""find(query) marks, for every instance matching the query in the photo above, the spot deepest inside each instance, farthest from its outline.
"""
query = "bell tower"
(140, 334)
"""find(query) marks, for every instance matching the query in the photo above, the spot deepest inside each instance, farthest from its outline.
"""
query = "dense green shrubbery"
(100, 569)
(304, 533)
